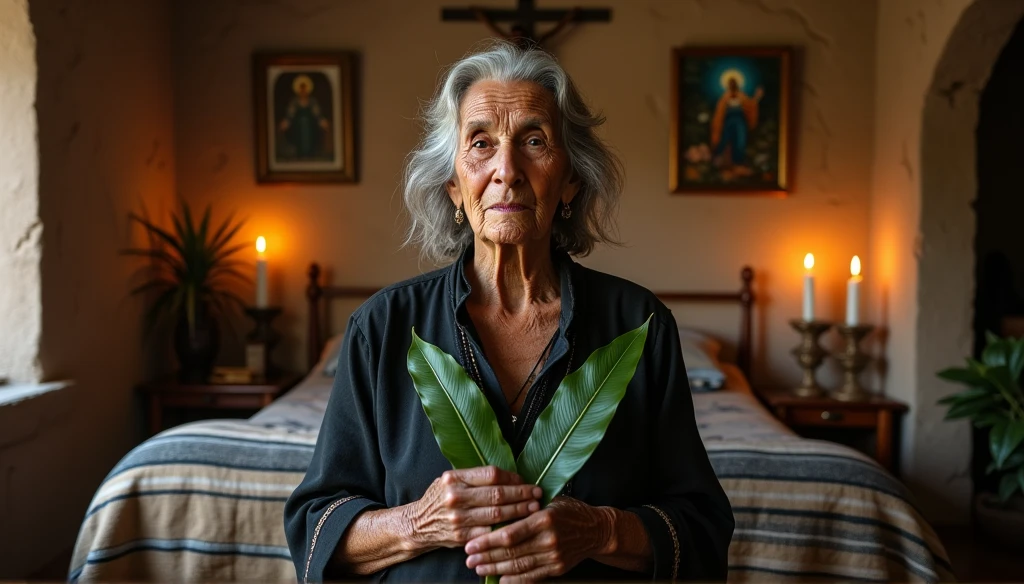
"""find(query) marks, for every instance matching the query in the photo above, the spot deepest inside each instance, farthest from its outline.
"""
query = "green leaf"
(968, 409)
(160, 233)
(461, 418)
(1013, 461)
(984, 394)
(962, 375)
(574, 422)
(204, 225)
(988, 419)
(1015, 358)
(1004, 439)
(1008, 485)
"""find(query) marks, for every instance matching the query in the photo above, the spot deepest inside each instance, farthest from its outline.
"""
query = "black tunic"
(375, 448)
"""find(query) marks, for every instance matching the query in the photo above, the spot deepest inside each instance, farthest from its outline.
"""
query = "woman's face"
(511, 173)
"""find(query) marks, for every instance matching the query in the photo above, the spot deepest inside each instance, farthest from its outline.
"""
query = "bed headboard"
(319, 295)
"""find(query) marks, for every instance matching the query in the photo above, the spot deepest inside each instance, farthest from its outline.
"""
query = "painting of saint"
(731, 120)
(304, 125)
(304, 118)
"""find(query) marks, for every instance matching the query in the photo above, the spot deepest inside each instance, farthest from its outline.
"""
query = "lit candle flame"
(855, 266)
(261, 244)
(809, 261)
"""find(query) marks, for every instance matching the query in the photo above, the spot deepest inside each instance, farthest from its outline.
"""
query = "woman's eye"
(535, 142)
(480, 144)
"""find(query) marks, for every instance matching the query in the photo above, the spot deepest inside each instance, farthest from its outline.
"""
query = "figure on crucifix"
(524, 20)
(520, 34)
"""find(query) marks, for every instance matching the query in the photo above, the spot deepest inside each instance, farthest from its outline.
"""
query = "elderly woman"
(510, 181)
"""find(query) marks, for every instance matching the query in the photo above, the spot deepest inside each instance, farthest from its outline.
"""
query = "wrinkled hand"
(463, 504)
(547, 543)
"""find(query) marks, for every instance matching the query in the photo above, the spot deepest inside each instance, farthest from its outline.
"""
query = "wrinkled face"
(511, 173)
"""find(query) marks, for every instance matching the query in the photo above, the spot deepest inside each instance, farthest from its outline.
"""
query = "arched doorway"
(998, 250)
(947, 230)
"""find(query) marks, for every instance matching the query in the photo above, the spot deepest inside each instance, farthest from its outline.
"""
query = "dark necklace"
(470, 359)
(530, 377)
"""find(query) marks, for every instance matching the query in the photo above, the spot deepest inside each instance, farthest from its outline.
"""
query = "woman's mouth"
(507, 208)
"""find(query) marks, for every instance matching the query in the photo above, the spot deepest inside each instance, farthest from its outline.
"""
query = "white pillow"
(707, 343)
(328, 362)
(700, 356)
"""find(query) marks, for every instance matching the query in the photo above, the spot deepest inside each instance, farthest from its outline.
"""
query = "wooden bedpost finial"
(747, 292)
(313, 291)
(313, 294)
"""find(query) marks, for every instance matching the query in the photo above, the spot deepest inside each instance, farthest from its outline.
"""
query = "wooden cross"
(524, 19)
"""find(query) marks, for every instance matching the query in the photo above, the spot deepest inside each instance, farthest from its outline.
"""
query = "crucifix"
(524, 19)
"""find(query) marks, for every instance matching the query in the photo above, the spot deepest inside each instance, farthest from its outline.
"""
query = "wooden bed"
(320, 295)
(204, 501)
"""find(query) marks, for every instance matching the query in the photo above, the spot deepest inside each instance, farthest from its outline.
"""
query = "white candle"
(853, 293)
(808, 288)
(261, 273)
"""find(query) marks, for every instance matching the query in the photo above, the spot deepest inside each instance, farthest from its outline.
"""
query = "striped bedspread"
(204, 501)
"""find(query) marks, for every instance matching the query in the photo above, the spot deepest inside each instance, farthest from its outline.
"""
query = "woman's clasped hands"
(461, 507)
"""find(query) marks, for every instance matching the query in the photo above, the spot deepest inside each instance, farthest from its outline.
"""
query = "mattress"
(204, 501)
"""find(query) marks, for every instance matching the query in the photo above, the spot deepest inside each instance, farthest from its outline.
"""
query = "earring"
(459, 216)
(566, 211)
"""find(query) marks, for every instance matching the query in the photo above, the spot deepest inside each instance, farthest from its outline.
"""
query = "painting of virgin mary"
(304, 120)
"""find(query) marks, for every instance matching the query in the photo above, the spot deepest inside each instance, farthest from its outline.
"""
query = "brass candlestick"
(853, 361)
(809, 355)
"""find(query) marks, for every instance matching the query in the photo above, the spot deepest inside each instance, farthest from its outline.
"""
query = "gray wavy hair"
(432, 164)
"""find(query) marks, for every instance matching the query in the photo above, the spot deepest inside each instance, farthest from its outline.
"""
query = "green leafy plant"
(993, 399)
(192, 267)
(566, 433)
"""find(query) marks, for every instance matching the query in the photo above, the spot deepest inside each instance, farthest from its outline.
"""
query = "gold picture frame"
(731, 116)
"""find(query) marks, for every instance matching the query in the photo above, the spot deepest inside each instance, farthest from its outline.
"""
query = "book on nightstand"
(231, 375)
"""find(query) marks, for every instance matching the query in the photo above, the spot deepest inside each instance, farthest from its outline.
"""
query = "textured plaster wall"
(20, 228)
(104, 104)
(933, 57)
(673, 241)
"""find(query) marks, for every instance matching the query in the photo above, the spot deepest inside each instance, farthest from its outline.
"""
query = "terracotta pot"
(1003, 525)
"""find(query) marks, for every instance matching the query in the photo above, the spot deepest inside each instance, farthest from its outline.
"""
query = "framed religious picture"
(730, 120)
(305, 127)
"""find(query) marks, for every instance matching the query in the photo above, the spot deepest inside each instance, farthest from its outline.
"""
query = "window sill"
(17, 392)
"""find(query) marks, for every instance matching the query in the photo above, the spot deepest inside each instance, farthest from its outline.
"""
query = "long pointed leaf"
(161, 233)
(462, 420)
(574, 422)
(204, 225)
(1004, 439)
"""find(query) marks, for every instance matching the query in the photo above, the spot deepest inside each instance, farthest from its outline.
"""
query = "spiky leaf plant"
(192, 267)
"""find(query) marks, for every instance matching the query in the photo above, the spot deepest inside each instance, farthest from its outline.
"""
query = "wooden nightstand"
(170, 393)
(805, 414)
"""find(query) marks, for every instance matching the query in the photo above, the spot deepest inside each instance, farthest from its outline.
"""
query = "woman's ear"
(572, 189)
(454, 192)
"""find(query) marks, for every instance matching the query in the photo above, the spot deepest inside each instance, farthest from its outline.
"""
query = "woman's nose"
(508, 170)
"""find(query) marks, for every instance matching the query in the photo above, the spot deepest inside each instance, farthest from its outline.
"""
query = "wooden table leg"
(155, 411)
(883, 439)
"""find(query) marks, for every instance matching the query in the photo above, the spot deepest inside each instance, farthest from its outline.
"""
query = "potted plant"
(993, 399)
(191, 274)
